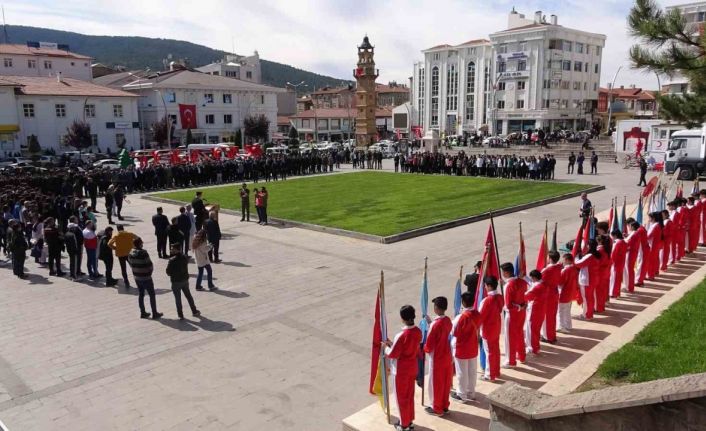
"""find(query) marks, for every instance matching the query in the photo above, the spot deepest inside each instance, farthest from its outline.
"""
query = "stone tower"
(365, 75)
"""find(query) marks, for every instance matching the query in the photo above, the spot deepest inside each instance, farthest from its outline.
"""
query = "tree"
(257, 126)
(238, 137)
(78, 135)
(160, 129)
(34, 148)
(125, 159)
(189, 137)
(293, 137)
(668, 45)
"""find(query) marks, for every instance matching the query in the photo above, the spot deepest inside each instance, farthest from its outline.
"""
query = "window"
(227, 98)
(434, 96)
(173, 118)
(60, 110)
(564, 104)
(306, 124)
(555, 65)
(546, 84)
(323, 124)
(170, 97)
(262, 99)
(501, 86)
(566, 65)
(451, 88)
(210, 119)
(227, 119)
(585, 86)
(545, 103)
(554, 43)
(422, 89)
(208, 98)
(567, 45)
(585, 67)
(595, 86)
(578, 66)
(521, 85)
(502, 66)
(520, 104)
(7, 62)
(120, 139)
(248, 75)
(47, 64)
(522, 65)
(28, 109)
(471, 78)
(701, 17)
(598, 50)
(595, 67)
(577, 85)
(436, 56)
(216, 73)
(118, 111)
(89, 111)
(555, 83)
(501, 104)
(94, 140)
(502, 49)
(336, 124)
(31, 64)
(522, 46)
(579, 48)
(470, 107)
(565, 85)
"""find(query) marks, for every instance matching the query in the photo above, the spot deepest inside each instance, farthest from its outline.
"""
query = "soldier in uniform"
(244, 202)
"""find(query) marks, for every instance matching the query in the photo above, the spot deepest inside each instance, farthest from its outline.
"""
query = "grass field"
(383, 203)
(672, 345)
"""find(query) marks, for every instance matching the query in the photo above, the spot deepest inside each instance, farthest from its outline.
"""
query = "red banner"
(187, 113)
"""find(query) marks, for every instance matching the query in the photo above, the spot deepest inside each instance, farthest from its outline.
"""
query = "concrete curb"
(573, 376)
(404, 235)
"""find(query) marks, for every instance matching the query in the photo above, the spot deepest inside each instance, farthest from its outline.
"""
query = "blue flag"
(638, 216)
(423, 325)
(457, 297)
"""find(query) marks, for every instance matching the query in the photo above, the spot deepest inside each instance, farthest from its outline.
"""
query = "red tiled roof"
(382, 88)
(621, 92)
(338, 113)
(51, 86)
(282, 120)
(445, 45)
(18, 49)
(330, 90)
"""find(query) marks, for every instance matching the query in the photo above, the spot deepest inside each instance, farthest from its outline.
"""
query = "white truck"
(687, 152)
(650, 136)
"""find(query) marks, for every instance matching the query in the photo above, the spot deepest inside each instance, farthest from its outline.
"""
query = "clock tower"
(365, 75)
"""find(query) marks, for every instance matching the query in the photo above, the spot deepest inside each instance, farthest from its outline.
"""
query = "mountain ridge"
(137, 52)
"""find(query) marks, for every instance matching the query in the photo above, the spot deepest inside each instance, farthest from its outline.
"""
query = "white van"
(282, 149)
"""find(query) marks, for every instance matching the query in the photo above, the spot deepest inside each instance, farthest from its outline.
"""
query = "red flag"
(174, 157)
(216, 153)
(155, 157)
(187, 113)
(143, 162)
(521, 258)
(489, 266)
(542, 253)
(377, 339)
(232, 152)
(576, 251)
(195, 156)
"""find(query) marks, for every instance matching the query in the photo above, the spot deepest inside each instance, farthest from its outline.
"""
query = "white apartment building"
(695, 16)
(46, 107)
(43, 59)
(535, 74)
(246, 68)
(221, 103)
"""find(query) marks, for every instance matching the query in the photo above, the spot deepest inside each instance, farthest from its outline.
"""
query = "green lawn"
(383, 203)
(672, 345)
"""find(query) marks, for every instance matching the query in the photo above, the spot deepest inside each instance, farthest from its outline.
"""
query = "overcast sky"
(321, 35)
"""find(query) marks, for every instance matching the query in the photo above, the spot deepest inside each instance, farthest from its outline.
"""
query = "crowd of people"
(502, 166)
(525, 310)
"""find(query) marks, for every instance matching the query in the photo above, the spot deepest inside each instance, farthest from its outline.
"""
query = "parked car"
(12, 160)
(107, 163)
(46, 161)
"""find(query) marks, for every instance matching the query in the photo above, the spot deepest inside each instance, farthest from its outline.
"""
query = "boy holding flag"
(515, 307)
(439, 358)
(490, 322)
(551, 276)
(464, 344)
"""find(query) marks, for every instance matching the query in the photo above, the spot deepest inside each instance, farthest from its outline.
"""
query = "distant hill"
(140, 52)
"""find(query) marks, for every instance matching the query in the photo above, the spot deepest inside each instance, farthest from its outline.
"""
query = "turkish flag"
(195, 156)
(232, 152)
(187, 113)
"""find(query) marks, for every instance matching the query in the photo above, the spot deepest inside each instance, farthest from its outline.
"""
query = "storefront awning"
(9, 128)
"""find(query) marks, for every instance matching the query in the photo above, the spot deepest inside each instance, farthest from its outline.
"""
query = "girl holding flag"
(654, 239)
(589, 278)
(667, 238)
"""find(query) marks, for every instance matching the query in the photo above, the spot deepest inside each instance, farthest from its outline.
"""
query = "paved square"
(284, 344)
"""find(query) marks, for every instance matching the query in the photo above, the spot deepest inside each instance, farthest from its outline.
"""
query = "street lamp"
(167, 119)
(610, 97)
(494, 115)
(242, 128)
(142, 129)
(296, 86)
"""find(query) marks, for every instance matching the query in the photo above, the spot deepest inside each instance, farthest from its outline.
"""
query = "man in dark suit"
(244, 202)
(199, 210)
(184, 225)
(471, 280)
(585, 208)
(161, 223)
(213, 233)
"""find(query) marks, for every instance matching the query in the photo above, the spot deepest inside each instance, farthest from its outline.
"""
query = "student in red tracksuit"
(568, 287)
(683, 223)
(617, 259)
(633, 251)
(438, 354)
(702, 198)
(605, 246)
(516, 310)
(464, 345)
(667, 225)
(589, 278)
(403, 353)
(694, 222)
(491, 308)
(535, 298)
(654, 238)
(643, 256)
(675, 217)
(551, 276)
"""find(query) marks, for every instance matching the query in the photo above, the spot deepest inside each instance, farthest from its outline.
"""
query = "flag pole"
(386, 391)
(497, 254)
(426, 258)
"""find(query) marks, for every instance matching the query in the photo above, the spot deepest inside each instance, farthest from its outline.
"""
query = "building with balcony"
(534, 74)
(391, 94)
(336, 124)
(43, 59)
(245, 68)
(626, 104)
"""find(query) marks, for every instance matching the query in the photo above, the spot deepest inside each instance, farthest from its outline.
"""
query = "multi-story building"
(47, 106)
(43, 59)
(245, 68)
(535, 74)
(337, 124)
(392, 94)
(695, 17)
(626, 103)
(219, 104)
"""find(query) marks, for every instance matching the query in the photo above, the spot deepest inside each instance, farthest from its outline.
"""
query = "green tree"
(257, 126)
(238, 138)
(293, 136)
(33, 147)
(668, 45)
(78, 135)
(125, 159)
(160, 129)
(189, 137)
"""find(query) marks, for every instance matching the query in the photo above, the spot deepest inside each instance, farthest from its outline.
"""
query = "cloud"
(322, 35)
